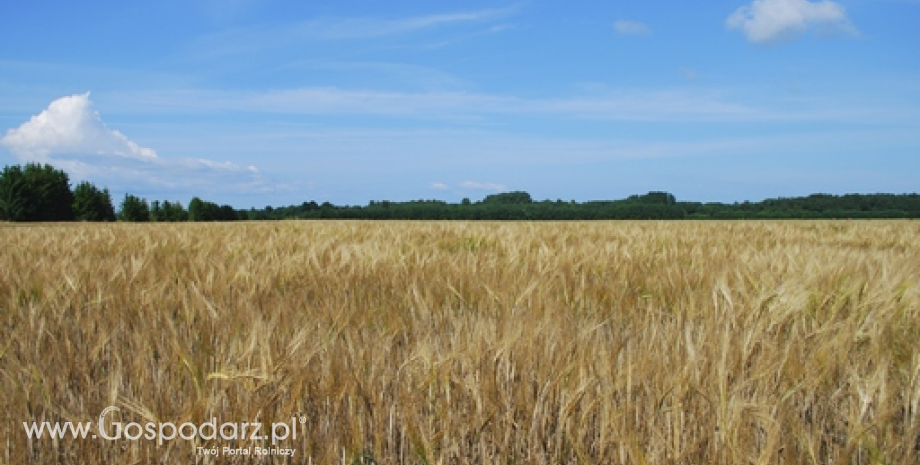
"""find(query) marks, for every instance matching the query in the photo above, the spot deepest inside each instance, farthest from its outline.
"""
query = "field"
(465, 343)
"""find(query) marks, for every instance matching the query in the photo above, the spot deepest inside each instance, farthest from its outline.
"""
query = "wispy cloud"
(625, 27)
(336, 29)
(621, 105)
(470, 185)
(482, 186)
(71, 135)
(675, 104)
(771, 21)
(360, 28)
(398, 73)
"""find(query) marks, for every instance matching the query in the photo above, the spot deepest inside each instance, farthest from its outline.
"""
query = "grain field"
(467, 343)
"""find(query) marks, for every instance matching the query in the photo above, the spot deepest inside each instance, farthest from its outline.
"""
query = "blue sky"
(275, 102)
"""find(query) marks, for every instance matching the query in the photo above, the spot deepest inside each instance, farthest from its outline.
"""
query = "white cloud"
(70, 135)
(616, 104)
(253, 39)
(630, 27)
(770, 21)
(354, 28)
(439, 186)
(70, 125)
(485, 186)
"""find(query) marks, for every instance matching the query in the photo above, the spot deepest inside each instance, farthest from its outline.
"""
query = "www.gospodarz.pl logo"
(209, 430)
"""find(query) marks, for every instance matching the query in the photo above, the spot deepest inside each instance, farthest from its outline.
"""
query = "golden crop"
(464, 343)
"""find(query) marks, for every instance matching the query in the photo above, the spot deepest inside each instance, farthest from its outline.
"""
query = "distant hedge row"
(654, 205)
(39, 192)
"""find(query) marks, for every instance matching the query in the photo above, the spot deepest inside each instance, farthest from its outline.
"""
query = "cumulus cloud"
(70, 125)
(71, 135)
(770, 21)
(485, 186)
(630, 27)
(439, 186)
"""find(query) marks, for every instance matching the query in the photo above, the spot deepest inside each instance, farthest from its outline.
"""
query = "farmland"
(469, 342)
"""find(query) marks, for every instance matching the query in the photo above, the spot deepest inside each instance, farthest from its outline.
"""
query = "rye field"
(774, 342)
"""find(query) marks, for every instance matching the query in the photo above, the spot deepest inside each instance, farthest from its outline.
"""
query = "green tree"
(508, 198)
(135, 209)
(195, 209)
(227, 213)
(92, 204)
(53, 197)
(13, 195)
(157, 213)
(654, 197)
(37, 192)
(173, 211)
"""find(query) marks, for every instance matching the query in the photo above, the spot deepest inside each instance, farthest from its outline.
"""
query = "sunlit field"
(468, 343)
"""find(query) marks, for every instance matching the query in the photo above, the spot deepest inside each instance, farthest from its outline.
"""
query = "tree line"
(38, 192)
(650, 206)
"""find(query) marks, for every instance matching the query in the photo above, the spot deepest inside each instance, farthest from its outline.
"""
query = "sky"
(278, 102)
